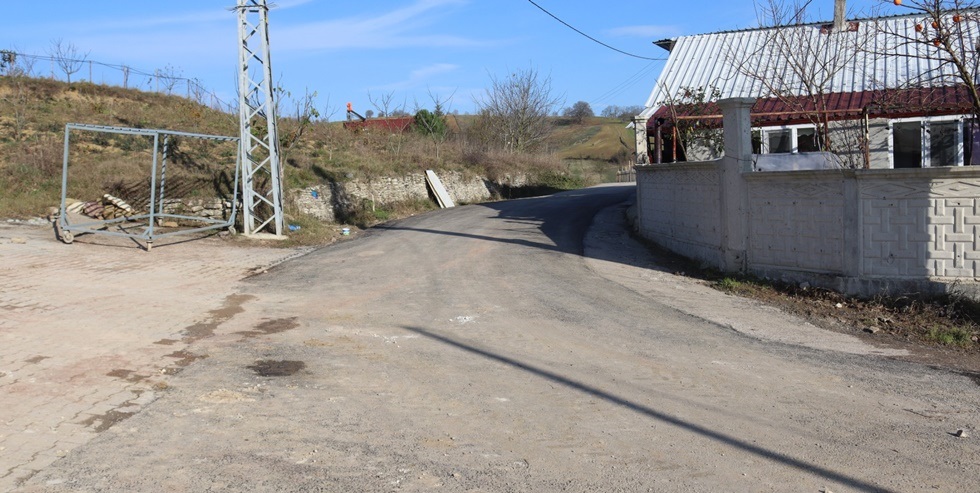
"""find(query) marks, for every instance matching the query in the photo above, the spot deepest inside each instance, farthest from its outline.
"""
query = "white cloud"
(130, 24)
(420, 77)
(288, 4)
(431, 70)
(398, 28)
(651, 31)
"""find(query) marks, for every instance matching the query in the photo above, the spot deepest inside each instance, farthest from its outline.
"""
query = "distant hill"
(595, 139)
(34, 111)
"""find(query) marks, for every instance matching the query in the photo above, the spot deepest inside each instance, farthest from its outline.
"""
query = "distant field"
(596, 139)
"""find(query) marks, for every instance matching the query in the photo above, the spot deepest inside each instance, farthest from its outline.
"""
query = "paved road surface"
(509, 347)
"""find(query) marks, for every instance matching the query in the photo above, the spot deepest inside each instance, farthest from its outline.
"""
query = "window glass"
(943, 150)
(806, 140)
(907, 138)
(757, 142)
(780, 141)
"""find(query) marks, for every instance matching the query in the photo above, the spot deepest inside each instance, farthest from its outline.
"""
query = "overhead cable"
(626, 84)
(590, 37)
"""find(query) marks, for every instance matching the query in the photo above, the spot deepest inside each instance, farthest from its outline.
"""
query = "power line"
(590, 37)
(626, 84)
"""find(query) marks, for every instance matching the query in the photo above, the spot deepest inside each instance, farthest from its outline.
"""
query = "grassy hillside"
(33, 114)
(595, 147)
(595, 139)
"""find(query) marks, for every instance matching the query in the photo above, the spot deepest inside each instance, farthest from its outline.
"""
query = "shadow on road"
(658, 415)
(563, 218)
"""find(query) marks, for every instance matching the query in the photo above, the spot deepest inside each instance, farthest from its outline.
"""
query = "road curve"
(498, 347)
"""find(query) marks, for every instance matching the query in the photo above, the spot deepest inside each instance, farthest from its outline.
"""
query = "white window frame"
(924, 133)
(764, 131)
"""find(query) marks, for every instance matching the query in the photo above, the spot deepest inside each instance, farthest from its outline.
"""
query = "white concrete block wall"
(860, 231)
(679, 206)
(796, 221)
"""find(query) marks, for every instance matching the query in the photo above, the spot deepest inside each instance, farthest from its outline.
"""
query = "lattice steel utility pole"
(261, 171)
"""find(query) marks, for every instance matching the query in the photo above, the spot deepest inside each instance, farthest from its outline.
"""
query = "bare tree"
(329, 110)
(195, 91)
(169, 77)
(302, 116)
(385, 104)
(578, 112)
(17, 100)
(624, 113)
(945, 38)
(68, 58)
(514, 111)
(798, 61)
(693, 137)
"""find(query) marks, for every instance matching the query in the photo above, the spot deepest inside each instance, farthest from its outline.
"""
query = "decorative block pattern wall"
(914, 228)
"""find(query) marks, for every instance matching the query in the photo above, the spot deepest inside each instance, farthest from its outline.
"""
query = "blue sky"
(345, 50)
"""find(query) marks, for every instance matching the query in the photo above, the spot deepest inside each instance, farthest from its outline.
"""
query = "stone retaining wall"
(324, 201)
(321, 201)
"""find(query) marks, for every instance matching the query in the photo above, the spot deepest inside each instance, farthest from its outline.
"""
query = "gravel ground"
(528, 345)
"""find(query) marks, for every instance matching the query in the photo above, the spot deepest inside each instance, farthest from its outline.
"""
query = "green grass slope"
(595, 139)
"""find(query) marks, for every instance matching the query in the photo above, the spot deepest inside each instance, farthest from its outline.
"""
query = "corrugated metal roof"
(872, 55)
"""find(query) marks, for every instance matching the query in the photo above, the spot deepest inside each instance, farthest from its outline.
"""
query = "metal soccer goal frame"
(68, 225)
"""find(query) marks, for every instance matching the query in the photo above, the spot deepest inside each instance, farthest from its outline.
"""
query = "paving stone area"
(91, 332)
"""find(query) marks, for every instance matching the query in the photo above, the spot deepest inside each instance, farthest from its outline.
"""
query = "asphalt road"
(526, 345)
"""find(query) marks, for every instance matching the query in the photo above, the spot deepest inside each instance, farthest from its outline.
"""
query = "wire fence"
(168, 80)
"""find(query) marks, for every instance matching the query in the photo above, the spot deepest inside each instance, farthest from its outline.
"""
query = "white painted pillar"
(734, 190)
(642, 143)
(738, 130)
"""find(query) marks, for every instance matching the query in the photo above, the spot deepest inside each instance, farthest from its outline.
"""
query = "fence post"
(734, 190)
(642, 142)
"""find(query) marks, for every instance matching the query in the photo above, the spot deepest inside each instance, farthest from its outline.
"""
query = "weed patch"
(729, 284)
(951, 336)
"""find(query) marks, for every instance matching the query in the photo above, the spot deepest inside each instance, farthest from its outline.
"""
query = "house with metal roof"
(877, 93)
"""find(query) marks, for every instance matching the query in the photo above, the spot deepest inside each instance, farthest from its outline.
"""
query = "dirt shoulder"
(937, 332)
(940, 332)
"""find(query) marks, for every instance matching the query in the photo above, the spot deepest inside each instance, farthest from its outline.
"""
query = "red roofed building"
(885, 98)
(393, 125)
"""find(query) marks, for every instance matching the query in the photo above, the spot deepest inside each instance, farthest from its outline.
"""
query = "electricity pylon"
(261, 170)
